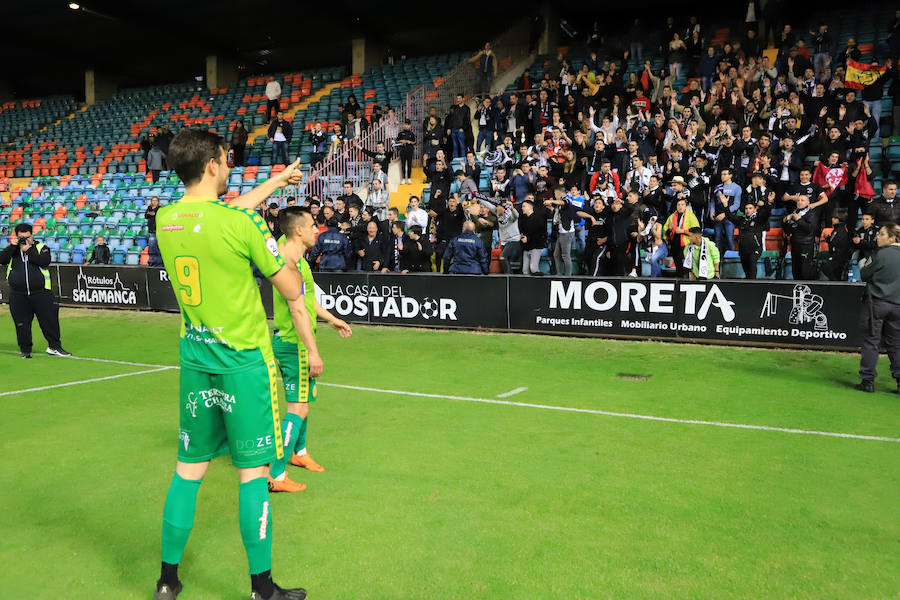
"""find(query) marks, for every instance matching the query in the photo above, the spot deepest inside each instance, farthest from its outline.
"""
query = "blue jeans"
(459, 143)
(579, 242)
(654, 259)
(637, 51)
(819, 61)
(485, 136)
(706, 82)
(724, 236)
(279, 149)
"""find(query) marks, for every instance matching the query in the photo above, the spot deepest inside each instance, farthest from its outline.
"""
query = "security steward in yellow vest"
(28, 277)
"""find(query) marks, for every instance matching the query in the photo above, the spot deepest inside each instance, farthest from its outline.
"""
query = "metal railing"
(349, 164)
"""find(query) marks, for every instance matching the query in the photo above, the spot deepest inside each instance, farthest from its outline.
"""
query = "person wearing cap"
(406, 145)
(880, 317)
(701, 257)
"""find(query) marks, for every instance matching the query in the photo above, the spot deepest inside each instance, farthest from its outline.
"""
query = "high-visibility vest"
(45, 272)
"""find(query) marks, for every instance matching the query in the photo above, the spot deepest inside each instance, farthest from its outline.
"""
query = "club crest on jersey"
(272, 246)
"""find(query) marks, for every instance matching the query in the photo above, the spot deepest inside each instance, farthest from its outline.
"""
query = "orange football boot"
(285, 485)
(306, 461)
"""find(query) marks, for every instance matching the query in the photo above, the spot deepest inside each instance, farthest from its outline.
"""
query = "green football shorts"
(294, 364)
(234, 413)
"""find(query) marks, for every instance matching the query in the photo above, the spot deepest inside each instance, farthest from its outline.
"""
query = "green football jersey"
(207, 247)
(284, 324)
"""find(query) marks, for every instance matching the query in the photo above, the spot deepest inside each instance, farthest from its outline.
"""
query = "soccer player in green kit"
(228, 382)
(294, 345)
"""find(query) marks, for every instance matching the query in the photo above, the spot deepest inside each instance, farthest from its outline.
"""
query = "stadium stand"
(89, 165)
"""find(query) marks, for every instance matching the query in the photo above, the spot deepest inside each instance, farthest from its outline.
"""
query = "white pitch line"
(94, 380)
(518, 390)
(101, 360)
(617, 414)
(492, 401)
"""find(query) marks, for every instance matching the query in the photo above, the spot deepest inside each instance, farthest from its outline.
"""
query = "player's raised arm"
(290, 176)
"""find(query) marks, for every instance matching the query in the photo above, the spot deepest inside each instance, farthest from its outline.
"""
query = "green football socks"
(300, 448)
(178, 517)
(291, 428)
(255, 517)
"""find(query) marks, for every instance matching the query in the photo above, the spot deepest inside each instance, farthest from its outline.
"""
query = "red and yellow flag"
(860, 75)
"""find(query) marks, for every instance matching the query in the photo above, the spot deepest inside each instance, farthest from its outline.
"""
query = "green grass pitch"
(436, 498)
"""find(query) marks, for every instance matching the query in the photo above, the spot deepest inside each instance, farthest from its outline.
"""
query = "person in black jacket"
(887, 208)
(370, 250)
(620, 244)
(752, 225)
(30, 295)
(448, 222)
(533, 227)
(100, 254)
(835, 268)
(802, 226)
(597, 236)
(466, 252)
(280, 134)
(865, 241)
(457, 122)
(415, 252)
(406, 145)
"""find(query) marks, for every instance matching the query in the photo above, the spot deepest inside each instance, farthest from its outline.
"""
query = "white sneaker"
(632, 274)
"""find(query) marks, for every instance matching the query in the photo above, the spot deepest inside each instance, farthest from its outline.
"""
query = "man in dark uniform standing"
(880, 318)
(29, 283)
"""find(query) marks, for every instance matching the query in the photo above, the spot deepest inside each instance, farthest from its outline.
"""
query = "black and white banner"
(770, 312)
(763, 312)
(434, 300)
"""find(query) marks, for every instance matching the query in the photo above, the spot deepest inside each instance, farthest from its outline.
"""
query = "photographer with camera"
(29, 283)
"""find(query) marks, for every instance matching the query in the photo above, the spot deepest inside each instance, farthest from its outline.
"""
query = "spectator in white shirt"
(415, 215)
(273, 96)
(638, 178)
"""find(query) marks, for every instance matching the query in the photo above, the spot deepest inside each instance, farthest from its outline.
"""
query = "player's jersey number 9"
(187, 272)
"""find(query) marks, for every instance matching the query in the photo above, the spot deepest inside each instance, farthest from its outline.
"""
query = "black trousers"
(441, 265)
(316, 158)
(405, 165)
(803, 262)
(748, 262)
(879, 322)
(621, 259)
(271, 109)
(239, 155)
(25, 308)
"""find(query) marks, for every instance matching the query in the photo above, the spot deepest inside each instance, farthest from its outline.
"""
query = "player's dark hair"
(23, 228)
(416, 229)
(292, 217)
(695, 230)
(807, 169)
(840, 214)
(190, 151)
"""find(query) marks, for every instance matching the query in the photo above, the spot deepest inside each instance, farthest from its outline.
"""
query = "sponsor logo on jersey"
(185, 438)
(272, 246)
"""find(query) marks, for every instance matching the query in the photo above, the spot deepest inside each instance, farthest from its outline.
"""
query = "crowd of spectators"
(599, 168)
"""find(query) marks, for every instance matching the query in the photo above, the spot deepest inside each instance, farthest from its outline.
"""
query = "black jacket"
(413, 259)
(751, 228)
(803, 231)
(25, 276)
(534, 228)
(459, 117)
(373, 251)
(286, 129)
(618, 224)
(839, 245)
(884, 211)
(100, 255)
(334, 248)
(448, 223)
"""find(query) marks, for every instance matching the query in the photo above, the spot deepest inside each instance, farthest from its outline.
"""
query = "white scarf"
(704, 265)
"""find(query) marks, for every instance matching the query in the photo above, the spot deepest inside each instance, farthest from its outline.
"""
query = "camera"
(23, 241)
